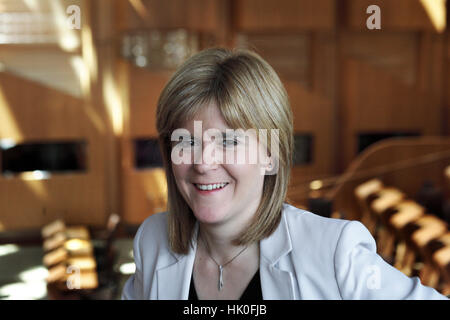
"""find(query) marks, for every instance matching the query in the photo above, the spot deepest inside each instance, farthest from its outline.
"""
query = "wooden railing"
(411, 238)
(381, 188)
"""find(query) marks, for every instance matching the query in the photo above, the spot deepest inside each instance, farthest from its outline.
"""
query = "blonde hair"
(249, 95)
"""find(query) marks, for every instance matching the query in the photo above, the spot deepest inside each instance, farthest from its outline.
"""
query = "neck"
(219, 236)
(218, 243)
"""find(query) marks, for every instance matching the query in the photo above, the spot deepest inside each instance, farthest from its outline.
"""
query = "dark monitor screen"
(368, 138)
(57, 156)
(303, 149)
(147, 153)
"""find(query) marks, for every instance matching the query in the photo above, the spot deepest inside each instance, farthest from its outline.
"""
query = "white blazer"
(307, 257)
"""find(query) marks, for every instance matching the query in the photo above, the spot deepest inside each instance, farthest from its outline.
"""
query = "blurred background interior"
(80, 167)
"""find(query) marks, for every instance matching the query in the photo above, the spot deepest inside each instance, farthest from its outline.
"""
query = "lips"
(210, 186)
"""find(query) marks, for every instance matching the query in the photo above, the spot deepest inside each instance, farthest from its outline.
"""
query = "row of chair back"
(69, 257)
(413, 240)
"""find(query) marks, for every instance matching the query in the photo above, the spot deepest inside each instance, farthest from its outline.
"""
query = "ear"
(267, 166)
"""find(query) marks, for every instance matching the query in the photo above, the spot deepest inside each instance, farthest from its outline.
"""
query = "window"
(57, 156)
(147, 153)
(366, 139)
(303, 145)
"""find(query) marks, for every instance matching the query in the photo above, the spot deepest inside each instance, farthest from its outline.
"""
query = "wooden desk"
(363, 192)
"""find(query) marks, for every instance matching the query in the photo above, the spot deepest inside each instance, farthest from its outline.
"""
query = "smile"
(210, 187)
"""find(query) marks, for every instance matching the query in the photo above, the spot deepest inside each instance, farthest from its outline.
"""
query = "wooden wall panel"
(288, 54)
(301, 59)
(446, 71)
(145, 88)
(313, 114)
(390, 81)
(375, 101)
(395, 15)
(143, 190)
(324, 70)
(196, 15)
(145, 193)
(35, 113)
(396, 53)
(266, 15)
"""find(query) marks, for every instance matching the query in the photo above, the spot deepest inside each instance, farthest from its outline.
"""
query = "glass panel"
(303, 144)
(288, 54)
(159, 49)
(43, 156)
(147, 154)
(366, 139)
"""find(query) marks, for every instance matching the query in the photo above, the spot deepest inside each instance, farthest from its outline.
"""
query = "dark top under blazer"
(252, 292)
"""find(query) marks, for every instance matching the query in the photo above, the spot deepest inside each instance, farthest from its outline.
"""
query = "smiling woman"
(228, 233)
(219, 192)
(217, 98)
(227, 90)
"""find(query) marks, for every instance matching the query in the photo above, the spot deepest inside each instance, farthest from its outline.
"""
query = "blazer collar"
(278, 244)
(276, 283)
(174, 277)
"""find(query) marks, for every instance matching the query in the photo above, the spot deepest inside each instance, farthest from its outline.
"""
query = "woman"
(227, 233)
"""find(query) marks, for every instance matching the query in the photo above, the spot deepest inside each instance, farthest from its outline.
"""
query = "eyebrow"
(224, 135)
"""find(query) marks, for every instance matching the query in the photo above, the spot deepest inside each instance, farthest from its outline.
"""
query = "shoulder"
(311, 225)
(326, 235)
(152, 236)
(155, 226)
(338, 258)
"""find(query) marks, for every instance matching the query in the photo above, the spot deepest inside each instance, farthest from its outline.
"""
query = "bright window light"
(24, 291)
(8, 249)
(37, 273)
(127, 268)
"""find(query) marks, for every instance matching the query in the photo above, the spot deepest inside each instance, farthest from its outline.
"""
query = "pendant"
(220, 277)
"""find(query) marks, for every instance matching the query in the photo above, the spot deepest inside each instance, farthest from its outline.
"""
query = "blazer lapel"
(174, 279)
(276, 283)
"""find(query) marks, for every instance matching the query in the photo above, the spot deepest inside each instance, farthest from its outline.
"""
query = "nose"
(206, 160)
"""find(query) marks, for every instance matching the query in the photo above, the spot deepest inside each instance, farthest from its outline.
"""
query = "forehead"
(210, 117)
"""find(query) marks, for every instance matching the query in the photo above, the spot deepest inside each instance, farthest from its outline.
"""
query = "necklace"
(221, 266)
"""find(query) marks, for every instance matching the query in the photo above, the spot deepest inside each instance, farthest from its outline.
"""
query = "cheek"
(247, 177)
(179, 172)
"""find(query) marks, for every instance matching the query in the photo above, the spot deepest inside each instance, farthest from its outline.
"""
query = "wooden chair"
(441, 258)
(104, 250)
(77, 232)
(62, 235)
(381, 208)
(69, 257)
(55, 241)
(418, 234)
(405, 212)
(74, 274)
(365, 193)
(52, 228)
(434, 271)
(447, 192)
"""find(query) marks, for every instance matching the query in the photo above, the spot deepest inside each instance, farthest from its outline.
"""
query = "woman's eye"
(187, 143)
(228, 143)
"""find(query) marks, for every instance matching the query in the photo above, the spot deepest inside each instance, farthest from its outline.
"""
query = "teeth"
(211, 186)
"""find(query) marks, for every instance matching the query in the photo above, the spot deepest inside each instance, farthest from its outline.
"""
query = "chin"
(208, 215)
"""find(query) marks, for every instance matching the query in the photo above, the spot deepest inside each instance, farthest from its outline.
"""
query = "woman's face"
(219, 192)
